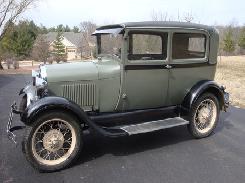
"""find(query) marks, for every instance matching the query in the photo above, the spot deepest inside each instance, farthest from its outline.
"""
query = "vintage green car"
(147, 76)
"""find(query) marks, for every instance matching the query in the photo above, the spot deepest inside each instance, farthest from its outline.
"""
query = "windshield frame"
(99, 47)
(101, 32)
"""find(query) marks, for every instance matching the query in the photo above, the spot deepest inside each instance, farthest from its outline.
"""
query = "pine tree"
(241, 41)
(19, 41)
(59, 51)
(228, 42)
(75, 29)
(67, 29)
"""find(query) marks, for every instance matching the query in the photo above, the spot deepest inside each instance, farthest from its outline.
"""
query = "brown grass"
(231, 73)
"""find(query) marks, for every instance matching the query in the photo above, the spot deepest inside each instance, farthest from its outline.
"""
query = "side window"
(188, 45)
(147, 46)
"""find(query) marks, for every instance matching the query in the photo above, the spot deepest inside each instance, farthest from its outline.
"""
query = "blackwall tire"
(53, 141)
(204, 116)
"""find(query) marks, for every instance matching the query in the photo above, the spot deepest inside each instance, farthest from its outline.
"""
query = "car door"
(145, 73)
(189, 63)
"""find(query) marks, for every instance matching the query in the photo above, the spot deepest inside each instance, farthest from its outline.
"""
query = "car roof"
(158, 24)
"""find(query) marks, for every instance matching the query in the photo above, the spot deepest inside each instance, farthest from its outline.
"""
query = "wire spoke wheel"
(53, 142)
(205, 115)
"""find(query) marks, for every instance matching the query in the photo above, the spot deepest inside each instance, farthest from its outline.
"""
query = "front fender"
(200, 88)
(50, 103)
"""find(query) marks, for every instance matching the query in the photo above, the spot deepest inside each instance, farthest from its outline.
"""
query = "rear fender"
(198, 89)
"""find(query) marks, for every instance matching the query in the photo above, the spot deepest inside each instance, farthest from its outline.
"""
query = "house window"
(188, 45)
(71, 51)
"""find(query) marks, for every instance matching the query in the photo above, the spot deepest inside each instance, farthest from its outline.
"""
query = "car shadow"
(96, 145)
(224, 122)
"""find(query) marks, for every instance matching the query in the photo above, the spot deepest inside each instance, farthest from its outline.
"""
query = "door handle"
(168, 66)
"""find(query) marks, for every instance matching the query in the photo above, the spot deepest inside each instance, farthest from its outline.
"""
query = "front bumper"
(10, 130)
(31, 94)
(226, 100)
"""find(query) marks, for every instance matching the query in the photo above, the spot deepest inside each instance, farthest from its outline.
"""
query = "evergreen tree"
(228, 42)
(67, 29)
(60, 28)
(52, 29)
(75, 29)
(19, 40)
(59, 51)
(42, 29)
(241, 41)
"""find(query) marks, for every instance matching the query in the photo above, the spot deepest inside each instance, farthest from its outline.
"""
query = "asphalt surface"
(164, 156)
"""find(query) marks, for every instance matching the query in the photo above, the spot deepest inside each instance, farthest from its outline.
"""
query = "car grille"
(82, 94)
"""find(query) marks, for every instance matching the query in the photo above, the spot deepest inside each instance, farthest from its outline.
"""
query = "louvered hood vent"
(82, 94)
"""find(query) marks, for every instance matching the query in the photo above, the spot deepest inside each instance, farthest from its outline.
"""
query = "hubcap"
(53, 142)
(205, 116)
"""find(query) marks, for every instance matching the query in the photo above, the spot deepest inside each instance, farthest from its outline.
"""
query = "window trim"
(190, 60)
(159, 33)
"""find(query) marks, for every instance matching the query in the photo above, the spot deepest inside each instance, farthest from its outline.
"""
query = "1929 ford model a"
(147, 76)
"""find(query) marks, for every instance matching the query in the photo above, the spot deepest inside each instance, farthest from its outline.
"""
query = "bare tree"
(159, 16)
(3, 56)
(10, 10)
(188, 17)
(164, 16)
(40, 50)
(87, 28)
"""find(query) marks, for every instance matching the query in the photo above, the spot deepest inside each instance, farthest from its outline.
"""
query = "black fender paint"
(21, 91)
(198, 89)
(49, 103)
(52, 102)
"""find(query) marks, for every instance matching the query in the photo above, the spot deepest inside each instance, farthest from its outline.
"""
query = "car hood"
(82, 71)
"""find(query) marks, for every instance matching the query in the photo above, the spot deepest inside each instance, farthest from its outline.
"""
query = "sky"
(72, 12)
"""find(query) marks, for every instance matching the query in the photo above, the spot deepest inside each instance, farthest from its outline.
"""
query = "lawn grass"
(231, 73)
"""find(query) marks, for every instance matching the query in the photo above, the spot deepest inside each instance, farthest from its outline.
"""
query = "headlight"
(39, 77)
(43, 73)
(34, 74)
(40, 82)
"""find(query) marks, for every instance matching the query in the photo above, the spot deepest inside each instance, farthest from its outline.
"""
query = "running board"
(154, 125)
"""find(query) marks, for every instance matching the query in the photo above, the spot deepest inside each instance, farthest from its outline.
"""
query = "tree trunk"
(1, 67)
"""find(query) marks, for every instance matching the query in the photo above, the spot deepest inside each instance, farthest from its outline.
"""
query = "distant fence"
(10, 64)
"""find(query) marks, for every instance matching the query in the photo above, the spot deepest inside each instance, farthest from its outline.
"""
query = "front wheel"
(53, 142)
(204, 115)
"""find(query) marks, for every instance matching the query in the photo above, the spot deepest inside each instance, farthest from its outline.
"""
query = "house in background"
(73, 44)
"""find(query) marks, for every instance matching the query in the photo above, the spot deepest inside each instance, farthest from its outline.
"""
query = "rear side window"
(147, 46)
(188, 45)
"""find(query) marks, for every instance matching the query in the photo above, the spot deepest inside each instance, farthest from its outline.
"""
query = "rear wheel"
(204, 115)
(53, 142)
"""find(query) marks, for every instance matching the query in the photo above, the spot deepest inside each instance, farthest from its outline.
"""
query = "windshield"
(109, 44)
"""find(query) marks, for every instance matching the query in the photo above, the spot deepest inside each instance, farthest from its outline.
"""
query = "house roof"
(71, 37)
(158, 24)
